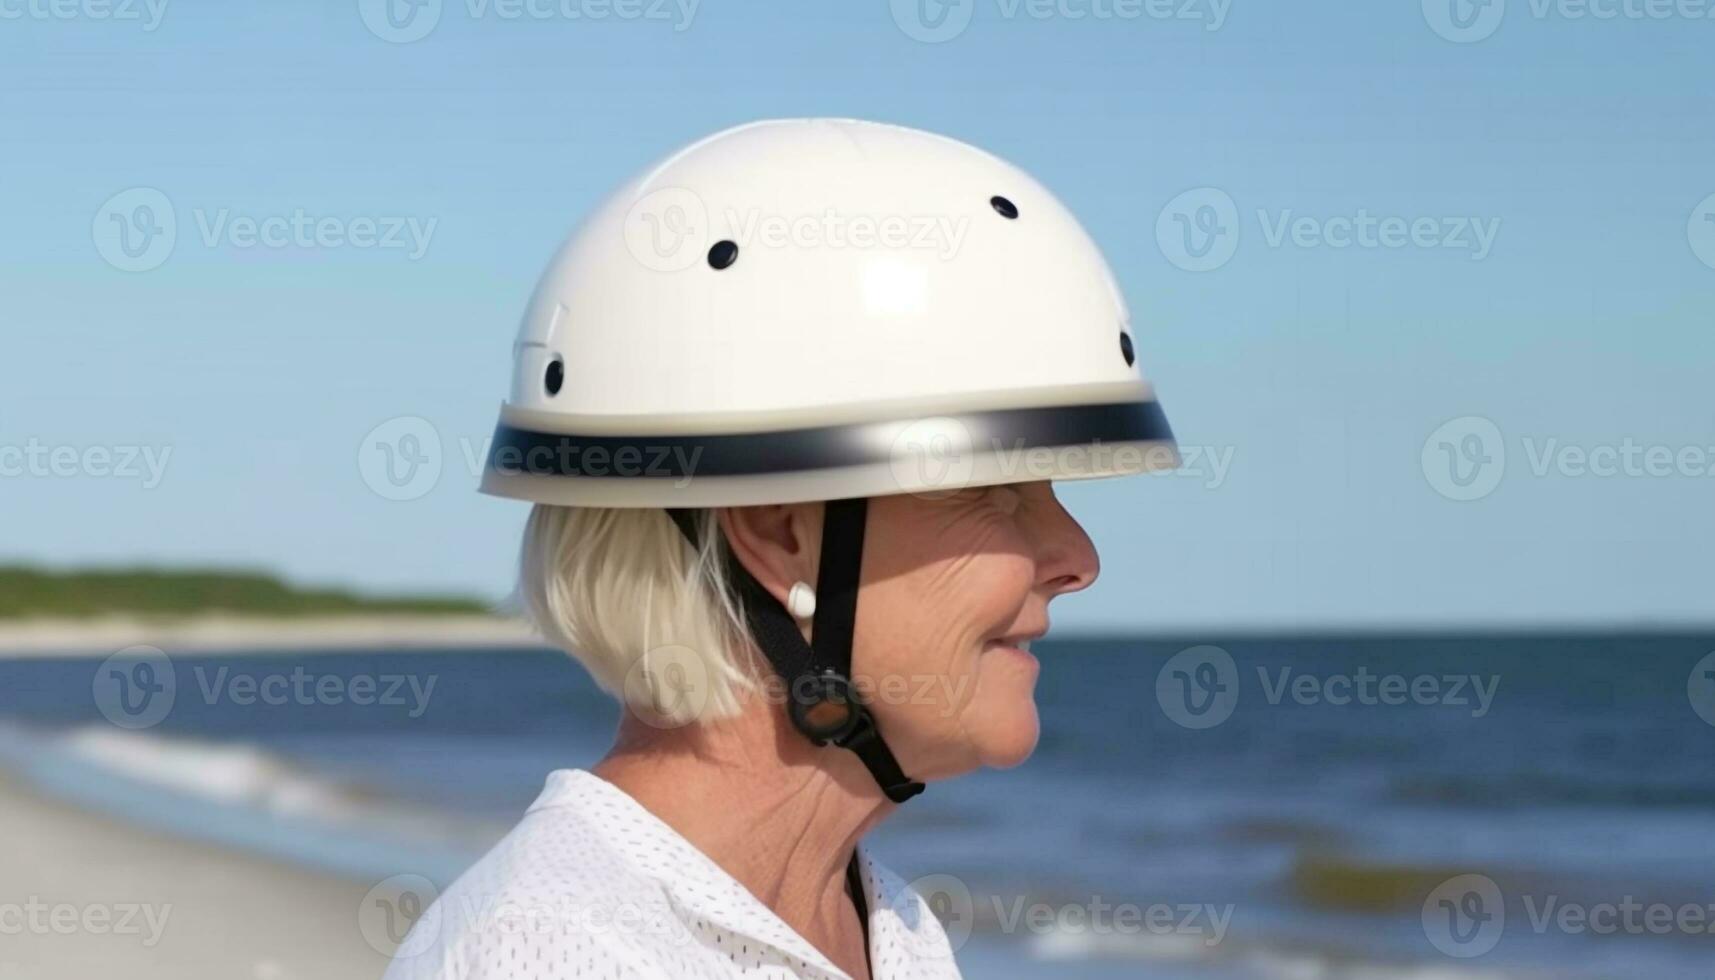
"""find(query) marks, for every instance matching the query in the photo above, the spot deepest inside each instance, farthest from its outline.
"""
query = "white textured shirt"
(591, 884)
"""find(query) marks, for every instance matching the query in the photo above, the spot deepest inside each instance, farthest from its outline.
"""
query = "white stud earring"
(801, 600)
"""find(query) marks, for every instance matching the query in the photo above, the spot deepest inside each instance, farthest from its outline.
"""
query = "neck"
(777, 812)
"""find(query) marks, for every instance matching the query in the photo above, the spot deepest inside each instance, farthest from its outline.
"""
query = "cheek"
(933, 621)
(944, 703)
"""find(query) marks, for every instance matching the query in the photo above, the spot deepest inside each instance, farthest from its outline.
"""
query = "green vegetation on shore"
(31, 592)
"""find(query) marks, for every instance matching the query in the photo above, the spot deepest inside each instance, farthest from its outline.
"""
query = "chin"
(1006, 706)
(1011, 738)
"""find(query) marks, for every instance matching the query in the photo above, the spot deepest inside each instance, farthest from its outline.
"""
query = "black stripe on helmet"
(518, 451)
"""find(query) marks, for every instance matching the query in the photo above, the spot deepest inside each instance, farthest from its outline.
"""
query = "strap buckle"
(825, 707)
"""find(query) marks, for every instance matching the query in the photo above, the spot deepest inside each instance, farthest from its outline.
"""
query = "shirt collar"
(899, 920)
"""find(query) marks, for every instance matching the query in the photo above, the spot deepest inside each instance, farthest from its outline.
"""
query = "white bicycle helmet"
(822, 309)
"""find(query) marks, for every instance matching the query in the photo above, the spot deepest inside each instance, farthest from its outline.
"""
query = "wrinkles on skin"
(968, 578)
(727, 785)
(941, 577)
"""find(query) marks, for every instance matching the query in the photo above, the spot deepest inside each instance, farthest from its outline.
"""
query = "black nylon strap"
(802, 664)
(854, 884)
(773, 629)
(837, 574)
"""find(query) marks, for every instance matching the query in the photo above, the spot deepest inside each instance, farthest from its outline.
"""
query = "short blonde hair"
(619, 590)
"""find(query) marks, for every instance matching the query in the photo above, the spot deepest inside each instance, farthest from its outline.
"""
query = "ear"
(778, 544)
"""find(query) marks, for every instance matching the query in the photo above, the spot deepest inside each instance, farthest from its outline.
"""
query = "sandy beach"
(239, 634)
(83, 896)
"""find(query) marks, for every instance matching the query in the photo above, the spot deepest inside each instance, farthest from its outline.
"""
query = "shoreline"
(112, 899)
(229, 633)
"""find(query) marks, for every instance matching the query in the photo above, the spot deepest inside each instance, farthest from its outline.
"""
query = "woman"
(789, 406)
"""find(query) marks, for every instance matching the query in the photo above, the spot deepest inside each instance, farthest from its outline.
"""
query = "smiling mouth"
(1020, 642)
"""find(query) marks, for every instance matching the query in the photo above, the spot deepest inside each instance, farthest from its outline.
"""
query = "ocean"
(1462, 806)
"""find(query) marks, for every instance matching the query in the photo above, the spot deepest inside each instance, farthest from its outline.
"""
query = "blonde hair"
(619, 590)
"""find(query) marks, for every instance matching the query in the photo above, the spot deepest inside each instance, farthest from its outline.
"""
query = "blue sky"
(1322, 376)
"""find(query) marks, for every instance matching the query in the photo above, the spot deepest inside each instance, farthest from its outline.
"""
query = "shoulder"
(552, 898)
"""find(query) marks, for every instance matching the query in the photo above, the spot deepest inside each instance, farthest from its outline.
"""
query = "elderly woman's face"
(953, 587)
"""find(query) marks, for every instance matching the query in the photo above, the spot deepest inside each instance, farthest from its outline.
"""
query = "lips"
(1016, 641)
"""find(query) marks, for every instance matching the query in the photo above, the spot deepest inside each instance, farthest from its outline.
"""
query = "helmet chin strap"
(821, 700)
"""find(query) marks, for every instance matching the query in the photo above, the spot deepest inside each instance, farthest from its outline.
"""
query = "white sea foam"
(232, 774)
(242, 796)
(1249, 958)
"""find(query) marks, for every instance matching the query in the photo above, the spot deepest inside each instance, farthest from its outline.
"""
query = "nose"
(1066, 559)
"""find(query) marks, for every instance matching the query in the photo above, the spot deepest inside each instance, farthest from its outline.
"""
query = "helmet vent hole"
(554, 377)
(1004, 207)
(723, 253)
(1125, 349)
